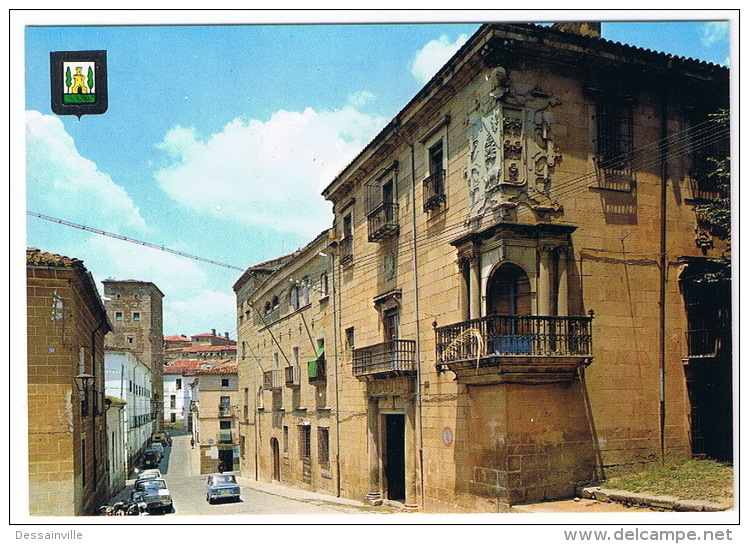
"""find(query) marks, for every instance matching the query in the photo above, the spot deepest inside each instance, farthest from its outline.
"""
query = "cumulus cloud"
(360, 98)
(434, 55)
(267, 174)
(714, 32)
(60, 181)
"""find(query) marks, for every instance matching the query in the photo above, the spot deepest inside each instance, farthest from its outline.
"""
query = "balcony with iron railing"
(346, 249)
(382, 221)
(292, 376)
(225, 410)
(703, 343)
(272, 379)
(385, 360)
(225, 436)
(704, 187)
(434, 191)
(518, 349)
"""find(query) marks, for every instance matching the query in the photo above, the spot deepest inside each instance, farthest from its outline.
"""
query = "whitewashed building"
(178, 394)
(131, 380)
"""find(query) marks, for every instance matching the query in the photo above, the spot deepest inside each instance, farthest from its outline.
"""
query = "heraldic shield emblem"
(79, 82)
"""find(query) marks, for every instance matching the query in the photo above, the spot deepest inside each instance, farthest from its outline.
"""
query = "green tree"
(68, 78)
(90, 80)
(716, 213)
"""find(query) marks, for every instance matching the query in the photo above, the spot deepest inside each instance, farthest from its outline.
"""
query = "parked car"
(156, 446)
(147, 474)
(151, 459)
(222, 486)
(154, 493)
(161, 437)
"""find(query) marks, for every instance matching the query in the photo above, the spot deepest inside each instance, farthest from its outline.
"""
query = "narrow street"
(181, 470)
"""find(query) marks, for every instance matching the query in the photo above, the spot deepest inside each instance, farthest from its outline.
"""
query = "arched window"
(509, 291)
(294, 298)
(267, 308)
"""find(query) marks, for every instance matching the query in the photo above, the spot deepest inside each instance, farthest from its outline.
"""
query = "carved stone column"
(374, 497)
(475, 284)
(543, 287)
(563, 289)
(411, 502)
(465, 309)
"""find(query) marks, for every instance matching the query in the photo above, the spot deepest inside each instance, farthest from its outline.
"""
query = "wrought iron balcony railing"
(522, 348)
(224, 436)
(346, 249)
(434, 191)
(292, 376)
(383, 221)
(272, 379)
(703, 343)
(225, 410)
(387, 359)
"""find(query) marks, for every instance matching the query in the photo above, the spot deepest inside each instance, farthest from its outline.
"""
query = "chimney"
(226, 335)
(213, 332)
(585, 28)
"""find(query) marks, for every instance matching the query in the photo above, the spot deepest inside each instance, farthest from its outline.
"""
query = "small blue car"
(222, 486)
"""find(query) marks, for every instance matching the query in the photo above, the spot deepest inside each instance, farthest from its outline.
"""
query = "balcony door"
(391, 320)
(508, 299)
(509, 292)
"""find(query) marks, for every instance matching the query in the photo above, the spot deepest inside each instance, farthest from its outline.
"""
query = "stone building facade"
(135, 310)
(287, 373)
(514, 259)
(67, 430)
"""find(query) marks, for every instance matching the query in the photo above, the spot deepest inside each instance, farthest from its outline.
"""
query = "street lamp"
(82, 382)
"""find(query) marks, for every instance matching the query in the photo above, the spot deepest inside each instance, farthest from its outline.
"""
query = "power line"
(131, 240)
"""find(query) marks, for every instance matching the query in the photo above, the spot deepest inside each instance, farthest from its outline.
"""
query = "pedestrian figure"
(221, 467)
(192, 443)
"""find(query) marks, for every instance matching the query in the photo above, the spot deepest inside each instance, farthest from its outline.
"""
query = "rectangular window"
(350, 345)
(118, 316)
(323, 446)
(285, 439)
(224, 425)
(305, 439)
(179, 384)
(434, 184)
(614, 142)
(172, 401)
(224, 382)
(246, 409)
(346, 246)
(136, 316)
(173, 417)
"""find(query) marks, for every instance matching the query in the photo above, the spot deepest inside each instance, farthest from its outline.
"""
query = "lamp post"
(84, 382)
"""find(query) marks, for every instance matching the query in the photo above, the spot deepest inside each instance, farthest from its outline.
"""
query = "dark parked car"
(222, 486)
(151, 459)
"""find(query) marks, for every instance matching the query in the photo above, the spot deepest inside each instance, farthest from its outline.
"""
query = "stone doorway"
(395, 457)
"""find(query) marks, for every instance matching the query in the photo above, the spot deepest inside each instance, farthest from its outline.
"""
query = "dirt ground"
(586, 506)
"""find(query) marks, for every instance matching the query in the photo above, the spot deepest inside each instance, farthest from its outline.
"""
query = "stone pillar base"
(373, 499)
(410, 507)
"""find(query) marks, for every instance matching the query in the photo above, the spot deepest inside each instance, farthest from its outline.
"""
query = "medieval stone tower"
(136, 313)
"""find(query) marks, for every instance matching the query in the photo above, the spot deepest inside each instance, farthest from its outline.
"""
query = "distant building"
(118, 468)
(67, 432)
(135, 310)
(178, 394)
(215, 421)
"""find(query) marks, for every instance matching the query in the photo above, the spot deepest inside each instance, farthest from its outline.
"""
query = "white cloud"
(434, 55)
(201, 313)
(266, 174)
(714, 32)
(61, 182)
(360, 98)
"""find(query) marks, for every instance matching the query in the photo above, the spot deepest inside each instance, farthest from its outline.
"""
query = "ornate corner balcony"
(515, 349)
(389, 359)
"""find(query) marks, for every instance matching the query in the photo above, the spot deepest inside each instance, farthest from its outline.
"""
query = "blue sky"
(218, 140)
